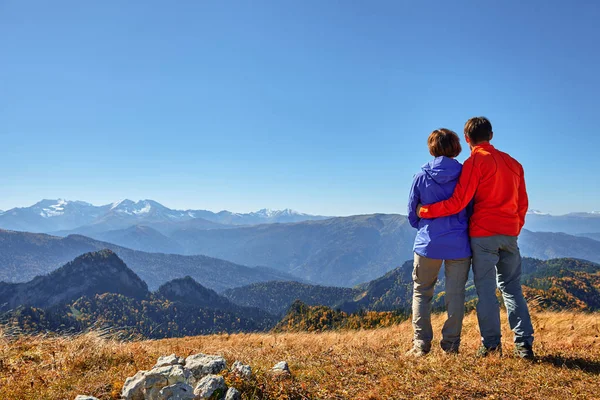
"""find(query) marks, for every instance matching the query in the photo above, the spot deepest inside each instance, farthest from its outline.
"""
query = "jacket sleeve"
(463, 193)
(523, 201)
(413, 201)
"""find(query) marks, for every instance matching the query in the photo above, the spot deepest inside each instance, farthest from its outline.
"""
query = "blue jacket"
(445, 238)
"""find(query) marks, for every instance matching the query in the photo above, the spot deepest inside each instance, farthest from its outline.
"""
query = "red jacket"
(497, 182)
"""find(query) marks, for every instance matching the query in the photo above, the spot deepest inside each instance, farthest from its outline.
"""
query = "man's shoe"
(486, 351)
(451, 352)
(524, 351)
(416, 352)
(450, 349)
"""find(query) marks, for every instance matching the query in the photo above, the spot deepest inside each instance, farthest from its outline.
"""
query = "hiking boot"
(449, 348)
(524, 351)
(486, 351)
(417, 352)
(451, 351)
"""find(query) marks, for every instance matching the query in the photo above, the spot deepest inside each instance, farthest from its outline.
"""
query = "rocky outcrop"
(158, 378)
(193, 378)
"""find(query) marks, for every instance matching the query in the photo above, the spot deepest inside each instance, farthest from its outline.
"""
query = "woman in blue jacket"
(439, 240)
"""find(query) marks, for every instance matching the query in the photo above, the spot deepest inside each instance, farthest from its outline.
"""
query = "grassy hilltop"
(365, 364)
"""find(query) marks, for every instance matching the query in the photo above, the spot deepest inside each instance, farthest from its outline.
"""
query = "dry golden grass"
(334, 365)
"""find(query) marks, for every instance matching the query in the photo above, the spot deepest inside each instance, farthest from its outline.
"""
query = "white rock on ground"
(245, 371)
(233, 394)
(158, 378)
(84, 397)
(170, 380)
(281, 368)
(210, 385)
(178, 391)
(169, 360)
(201, 365)
(133, 389)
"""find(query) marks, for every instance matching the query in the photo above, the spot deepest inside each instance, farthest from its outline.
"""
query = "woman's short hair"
(444, 142)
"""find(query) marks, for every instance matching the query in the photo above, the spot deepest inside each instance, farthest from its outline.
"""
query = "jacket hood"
(442, 169)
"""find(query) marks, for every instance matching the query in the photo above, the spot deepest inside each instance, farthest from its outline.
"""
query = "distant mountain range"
(49, 216)
(63, 217)
(340, 251)
(573, 223)
(343, 251)
(346, 251)
(26, 255)
(546, 245)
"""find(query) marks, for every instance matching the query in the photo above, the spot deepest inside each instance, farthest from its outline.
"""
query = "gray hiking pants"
(425, 275)
(497, 260)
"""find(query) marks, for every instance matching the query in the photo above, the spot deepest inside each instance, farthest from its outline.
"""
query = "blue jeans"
(497, 261)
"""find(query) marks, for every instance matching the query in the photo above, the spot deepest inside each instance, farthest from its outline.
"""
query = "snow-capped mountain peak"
(53, 210)
(65, 215)
(130, 207)
(536, 212)
(270, 213)
(149, 208)
(266, 212)
(50, 209)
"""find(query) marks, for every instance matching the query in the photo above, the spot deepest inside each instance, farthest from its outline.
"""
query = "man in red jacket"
(496, 181)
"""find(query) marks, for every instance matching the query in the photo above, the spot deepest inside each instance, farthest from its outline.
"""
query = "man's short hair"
(444, 142)
(478, 129)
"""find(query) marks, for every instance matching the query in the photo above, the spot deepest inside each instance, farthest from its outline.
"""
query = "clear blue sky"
(320, 106)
